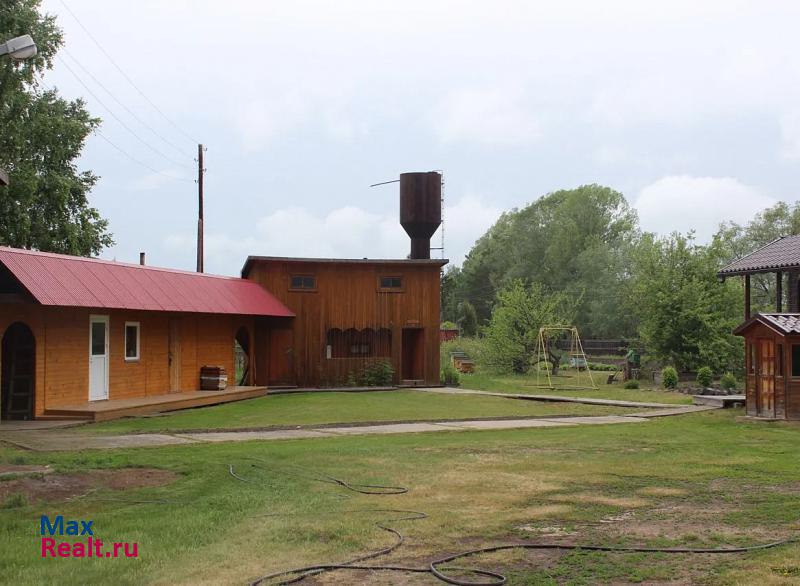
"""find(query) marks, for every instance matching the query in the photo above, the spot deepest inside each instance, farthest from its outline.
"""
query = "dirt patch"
(59, 487)
(23, 469)
(662, 491)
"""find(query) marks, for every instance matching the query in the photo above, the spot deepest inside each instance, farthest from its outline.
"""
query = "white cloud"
(487, 116)
(683, 203)
(155, 181)
(790, 133)
(347, 232)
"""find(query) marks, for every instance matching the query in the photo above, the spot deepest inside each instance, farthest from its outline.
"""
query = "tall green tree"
(573, 240)
(686, 315)
(467, 319)
(42, 135)
(513, 331)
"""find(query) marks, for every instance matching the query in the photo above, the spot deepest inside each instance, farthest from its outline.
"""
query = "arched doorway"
(241, 346)
(18, 372)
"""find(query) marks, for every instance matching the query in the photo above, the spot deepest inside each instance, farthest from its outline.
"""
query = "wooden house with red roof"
(77, 331)
(772, 340)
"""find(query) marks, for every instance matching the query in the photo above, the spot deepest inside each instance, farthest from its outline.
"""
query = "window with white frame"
(132, 340)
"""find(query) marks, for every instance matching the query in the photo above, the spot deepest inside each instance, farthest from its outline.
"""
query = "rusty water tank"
(420, 209)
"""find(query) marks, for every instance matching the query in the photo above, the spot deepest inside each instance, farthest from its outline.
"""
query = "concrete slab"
(510, 424)
(549, 398)
(245, 436)
(682, 410)
(47, 441)
(599, 420)
(421, 427)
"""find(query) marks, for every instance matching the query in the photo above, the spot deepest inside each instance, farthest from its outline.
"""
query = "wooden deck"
(116, 408)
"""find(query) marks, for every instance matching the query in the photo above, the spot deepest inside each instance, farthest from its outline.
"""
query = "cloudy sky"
(690, 108)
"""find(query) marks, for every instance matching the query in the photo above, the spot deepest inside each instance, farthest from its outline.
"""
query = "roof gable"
(786, 324)
(71, 281)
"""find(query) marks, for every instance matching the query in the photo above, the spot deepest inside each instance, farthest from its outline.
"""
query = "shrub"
(602, 367)
(728, 381)
(449, 376)
(631, 384)
(705, 377)
(669, 378)
(352, 381)
(378, 374)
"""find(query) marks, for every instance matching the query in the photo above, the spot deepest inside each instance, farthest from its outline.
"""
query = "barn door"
(765, 378)
(413, 355)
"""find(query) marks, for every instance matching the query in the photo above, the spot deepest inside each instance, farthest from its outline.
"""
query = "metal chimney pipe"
(141, 258)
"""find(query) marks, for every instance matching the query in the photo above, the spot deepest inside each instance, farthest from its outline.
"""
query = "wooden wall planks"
(62, 350)
(347, 295)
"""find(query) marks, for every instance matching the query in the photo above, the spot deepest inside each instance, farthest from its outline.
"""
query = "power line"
(128, 79)
(117, 118)
(134, 159)
(128, 110)
(118, 148)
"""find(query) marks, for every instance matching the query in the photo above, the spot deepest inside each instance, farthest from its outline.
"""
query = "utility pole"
(200, 172)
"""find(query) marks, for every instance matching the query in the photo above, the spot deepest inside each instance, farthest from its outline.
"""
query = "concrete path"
(554, 398)
(60, 441)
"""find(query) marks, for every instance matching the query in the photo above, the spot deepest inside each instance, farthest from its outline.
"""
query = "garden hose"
(434, 568)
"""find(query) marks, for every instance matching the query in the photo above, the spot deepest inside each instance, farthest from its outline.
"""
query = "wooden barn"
(78, 331)
(350, 313)
(772, 339)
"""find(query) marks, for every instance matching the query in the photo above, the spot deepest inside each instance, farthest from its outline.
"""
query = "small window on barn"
(303, 282)
(796, 360)
(391, 283)
(132, 339)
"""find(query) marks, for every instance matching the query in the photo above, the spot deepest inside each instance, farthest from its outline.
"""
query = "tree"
(686, 315)
(46, 205)
(513, 330)
(574, 240)
(467, 319)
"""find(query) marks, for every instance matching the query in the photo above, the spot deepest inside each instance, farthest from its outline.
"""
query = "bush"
(378, 374)
(705, 377)
(728, 381)
(601, 367)
(449, 376)
(669, 378)
(631, 384)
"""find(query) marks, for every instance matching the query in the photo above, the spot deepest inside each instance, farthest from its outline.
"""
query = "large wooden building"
(350, 313)
(772, 339)
(78, 332)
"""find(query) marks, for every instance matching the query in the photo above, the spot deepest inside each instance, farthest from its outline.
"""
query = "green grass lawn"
(526, 384)
(323, 408)
(701, 479)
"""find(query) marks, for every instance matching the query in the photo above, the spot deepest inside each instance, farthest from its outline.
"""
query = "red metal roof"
(72, 281)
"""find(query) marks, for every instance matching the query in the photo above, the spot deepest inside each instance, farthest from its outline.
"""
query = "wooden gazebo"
(772, 340)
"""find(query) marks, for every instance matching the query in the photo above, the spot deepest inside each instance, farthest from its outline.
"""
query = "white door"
(98, 357)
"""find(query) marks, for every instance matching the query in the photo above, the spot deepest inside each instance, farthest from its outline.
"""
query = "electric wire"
(117, 118)
(125, 75)
(121, 103)
(118, 148)
(440, 568)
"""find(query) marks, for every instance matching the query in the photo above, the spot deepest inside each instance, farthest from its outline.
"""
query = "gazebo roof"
(779, 255)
